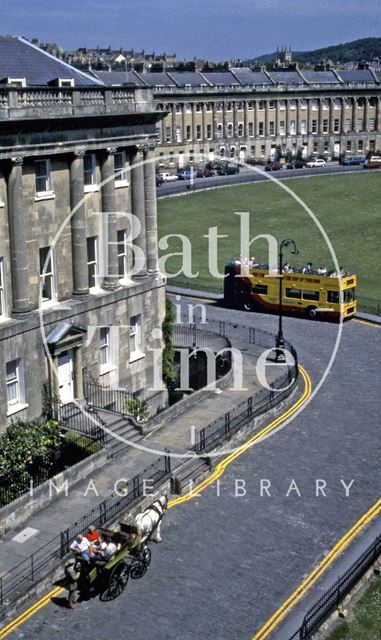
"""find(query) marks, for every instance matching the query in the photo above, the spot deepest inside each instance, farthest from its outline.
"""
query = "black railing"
(84, 421)
(334, 596)
(120, 400)
(33, 568)
(369, 305)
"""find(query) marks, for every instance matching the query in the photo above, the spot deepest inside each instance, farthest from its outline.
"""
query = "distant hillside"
(355, 51)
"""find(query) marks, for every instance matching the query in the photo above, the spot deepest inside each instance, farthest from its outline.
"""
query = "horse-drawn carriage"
(132, 556)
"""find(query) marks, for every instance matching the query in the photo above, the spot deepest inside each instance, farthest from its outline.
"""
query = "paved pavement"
(176, 434)
(228, 561)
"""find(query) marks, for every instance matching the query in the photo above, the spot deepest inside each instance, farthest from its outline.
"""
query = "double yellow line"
(218, 471)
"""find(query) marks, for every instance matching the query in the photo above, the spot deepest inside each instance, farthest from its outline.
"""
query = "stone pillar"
(320, 115)
(245, 121)
(309, 118)
(174, 138)
(378, 115)
(214, 122)
(150, 209)
(235, 121)
(266, 118)
(343, 128)
(331, 127)
(366, 114)
(224, 123)
(183, 123)
(78, 226)
(17, 240)
(193, 122)
(354, 115)
(138, 210)
(111, 276)
(287, 123)
(78, 377)
(256, 119)
(203, 125)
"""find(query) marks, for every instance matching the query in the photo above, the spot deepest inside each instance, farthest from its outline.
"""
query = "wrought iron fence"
(369, 305)
(47, 557)
(120, 400)
(332, 598)
(84, 421)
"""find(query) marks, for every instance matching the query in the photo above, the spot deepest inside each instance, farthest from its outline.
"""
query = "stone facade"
(70, 178)
(211, 124)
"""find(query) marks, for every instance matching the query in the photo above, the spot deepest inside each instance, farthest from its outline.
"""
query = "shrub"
(82, 445)
(137, 408)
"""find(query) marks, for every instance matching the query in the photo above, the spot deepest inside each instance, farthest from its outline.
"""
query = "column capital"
(111, 150)
(147, 146)
(79, 153)
(17, 160)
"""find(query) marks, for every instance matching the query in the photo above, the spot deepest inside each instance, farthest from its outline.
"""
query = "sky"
(212, 29)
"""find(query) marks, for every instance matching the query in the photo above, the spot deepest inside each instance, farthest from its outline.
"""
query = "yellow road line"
(321, 568)
(221, 466)
(218, 471)
(374, 325)
(23, 617)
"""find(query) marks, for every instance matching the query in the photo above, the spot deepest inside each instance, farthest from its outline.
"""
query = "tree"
(169, 372)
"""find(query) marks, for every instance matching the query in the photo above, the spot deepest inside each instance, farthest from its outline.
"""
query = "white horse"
(148, 523)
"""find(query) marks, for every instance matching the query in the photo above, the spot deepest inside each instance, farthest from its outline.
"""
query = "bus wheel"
(311, 313)
(248, 305)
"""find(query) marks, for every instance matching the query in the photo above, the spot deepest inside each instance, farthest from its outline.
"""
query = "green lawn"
(347, 207)
(366, 622)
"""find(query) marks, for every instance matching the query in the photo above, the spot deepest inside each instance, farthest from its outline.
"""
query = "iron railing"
(38, 564)
(84, 421)
(369, 305)
(334, 596)
(118, 400)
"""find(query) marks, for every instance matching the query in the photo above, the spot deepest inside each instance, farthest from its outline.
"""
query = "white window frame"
(49, 275)
(18, 402)
(136, 337)
(303, 127)
(282, 127)
(65, 82)
(107, 350)
(121, 179)
(123, 255)
(92, 172)
(46, 193)
(3, 292)
(229, 129)
(94, 262)
(16, 82)
(292, 127)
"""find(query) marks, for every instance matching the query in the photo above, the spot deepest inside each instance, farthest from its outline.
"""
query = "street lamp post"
(280, 357)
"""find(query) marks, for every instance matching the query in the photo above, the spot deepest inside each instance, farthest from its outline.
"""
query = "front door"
(66, 376)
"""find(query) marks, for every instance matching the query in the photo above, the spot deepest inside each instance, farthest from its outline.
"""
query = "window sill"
(90, 188)
(107, 368)
(137, 355)
(121, 183)
(44, 195)
(2, 204)
(15, 408)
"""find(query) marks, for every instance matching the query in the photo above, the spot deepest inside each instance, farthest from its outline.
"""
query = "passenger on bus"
(308, 268)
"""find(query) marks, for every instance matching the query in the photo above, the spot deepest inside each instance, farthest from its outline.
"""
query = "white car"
(169, 177)
(318, 162)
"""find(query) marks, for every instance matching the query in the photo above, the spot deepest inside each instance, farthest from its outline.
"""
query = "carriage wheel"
(147, 554)
(138, 569)
(117, 582)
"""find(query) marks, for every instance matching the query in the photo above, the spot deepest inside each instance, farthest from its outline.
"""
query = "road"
(247, 175)
(228, 561)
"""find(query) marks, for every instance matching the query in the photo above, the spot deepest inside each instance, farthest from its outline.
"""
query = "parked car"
(353, 160)
(159, 180)
(227, 169)
(273, 166)
(374, 162)
(168, 177)
(298, 164)
(184, 175)
(317, 162)
(205, 173)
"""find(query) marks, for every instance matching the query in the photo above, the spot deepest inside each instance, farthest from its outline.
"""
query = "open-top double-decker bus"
(305, 292)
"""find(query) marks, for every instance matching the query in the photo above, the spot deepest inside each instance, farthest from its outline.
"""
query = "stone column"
(354, 115)
(183, 123)
(309, 118)
(203, 123)
(150, 209)
(174, 138)
(287, 123)
(256, 119)
(78, 226)
(366, 114)
(224, 123)
(138, 210)
(110, 266)
(267, 118)
(235, 121)
(320, 115)
(17, 240)
(378, 115)
(331, 127)
(193, 122)
(214, 122)
(343, 128)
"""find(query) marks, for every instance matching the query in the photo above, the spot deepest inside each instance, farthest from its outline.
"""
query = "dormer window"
(15, 82)
(62, 82)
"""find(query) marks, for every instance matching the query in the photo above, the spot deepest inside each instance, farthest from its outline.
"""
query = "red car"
(273, 166)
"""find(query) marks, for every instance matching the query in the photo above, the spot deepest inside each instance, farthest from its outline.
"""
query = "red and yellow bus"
(310, 295)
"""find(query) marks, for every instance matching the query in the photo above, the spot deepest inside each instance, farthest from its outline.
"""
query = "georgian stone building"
(245, 114)
(75, 160)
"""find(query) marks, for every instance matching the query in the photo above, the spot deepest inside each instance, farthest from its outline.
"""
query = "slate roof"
(21, 59)
(286, 77)
(157, 79)
(247, 77)
(194, 78)
(320, 77)
(221, 78)
(117, 78)
(357, 75)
